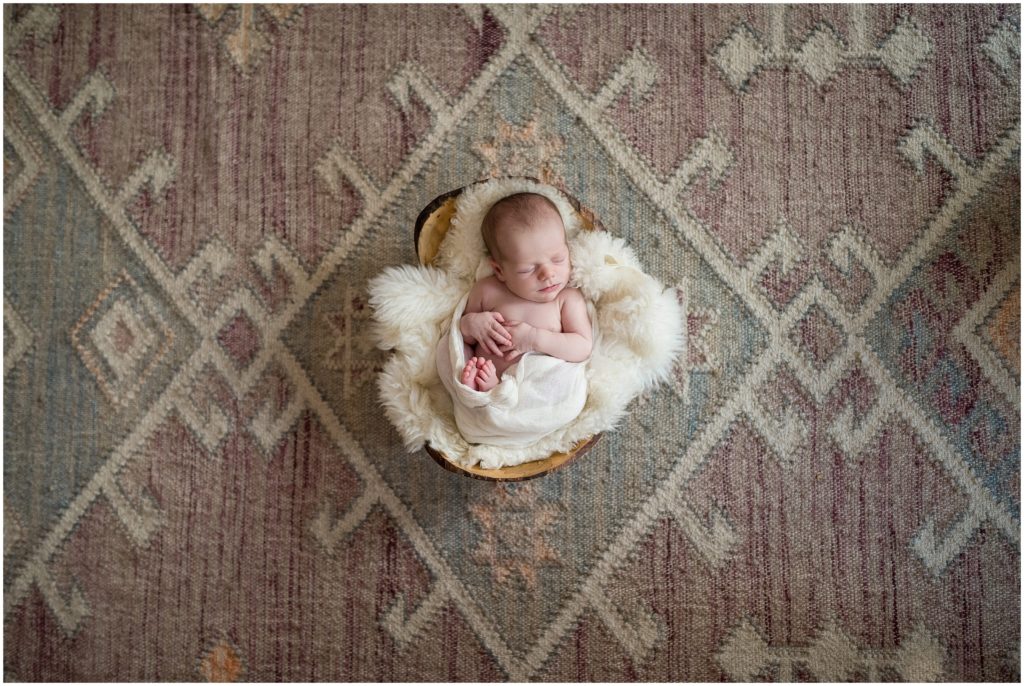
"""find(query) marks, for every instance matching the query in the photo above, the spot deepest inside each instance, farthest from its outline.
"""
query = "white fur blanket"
(536, 395)
(639, 332)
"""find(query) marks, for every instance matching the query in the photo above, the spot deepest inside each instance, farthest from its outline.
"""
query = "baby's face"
(534, 261)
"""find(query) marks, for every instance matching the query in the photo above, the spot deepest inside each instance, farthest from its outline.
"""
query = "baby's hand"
(523, 338)
(485, 328)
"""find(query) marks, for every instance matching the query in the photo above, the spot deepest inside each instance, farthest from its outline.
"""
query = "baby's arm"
(478, 326)
(572, 345)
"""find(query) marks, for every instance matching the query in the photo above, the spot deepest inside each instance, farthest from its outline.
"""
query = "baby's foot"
(469, 373)
(486, 376)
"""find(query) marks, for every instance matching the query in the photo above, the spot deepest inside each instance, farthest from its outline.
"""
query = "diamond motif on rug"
(821, 56)
(905, 51)
(121, 338)
(818, 337)
(241, 340)
(740, 56)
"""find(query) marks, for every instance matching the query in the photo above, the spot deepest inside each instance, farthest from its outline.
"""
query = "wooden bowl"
(431, 227)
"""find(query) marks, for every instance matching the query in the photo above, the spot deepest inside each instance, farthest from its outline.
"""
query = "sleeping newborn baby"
(513, 363)
(526, 305)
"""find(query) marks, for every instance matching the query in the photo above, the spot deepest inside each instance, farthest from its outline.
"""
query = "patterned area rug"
(199, 481)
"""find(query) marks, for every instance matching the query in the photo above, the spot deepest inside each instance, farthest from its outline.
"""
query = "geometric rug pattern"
(199, 479)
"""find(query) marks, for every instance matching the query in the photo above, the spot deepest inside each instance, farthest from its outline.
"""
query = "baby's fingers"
(495, 343)
(502, 333)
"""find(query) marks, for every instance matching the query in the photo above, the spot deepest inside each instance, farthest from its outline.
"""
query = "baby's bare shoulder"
(486, 290)
(571, 295)
(572, 303)
(485, 284)
(489, 284)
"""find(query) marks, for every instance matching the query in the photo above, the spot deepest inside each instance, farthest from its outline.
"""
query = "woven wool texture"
(200, 482)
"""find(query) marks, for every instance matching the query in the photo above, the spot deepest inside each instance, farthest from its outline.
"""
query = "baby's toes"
(487, 372)
(486, 377)
(469, 372)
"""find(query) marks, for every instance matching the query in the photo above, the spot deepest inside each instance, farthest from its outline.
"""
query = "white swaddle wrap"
(536, 395)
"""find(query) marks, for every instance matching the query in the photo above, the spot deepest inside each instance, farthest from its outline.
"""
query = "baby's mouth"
(548, 289)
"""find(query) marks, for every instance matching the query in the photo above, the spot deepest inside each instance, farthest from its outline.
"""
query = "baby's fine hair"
(523, 207)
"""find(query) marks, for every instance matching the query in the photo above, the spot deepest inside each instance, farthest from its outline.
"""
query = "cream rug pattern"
(199, 479)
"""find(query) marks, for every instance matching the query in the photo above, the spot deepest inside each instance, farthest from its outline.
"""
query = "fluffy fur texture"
(638, 330)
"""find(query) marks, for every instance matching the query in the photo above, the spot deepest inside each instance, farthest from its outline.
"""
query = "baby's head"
(525, 237)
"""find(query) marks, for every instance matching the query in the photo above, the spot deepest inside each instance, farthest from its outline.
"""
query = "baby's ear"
(497, 268)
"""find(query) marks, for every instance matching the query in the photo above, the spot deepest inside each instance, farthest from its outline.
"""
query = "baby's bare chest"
(541, 315)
